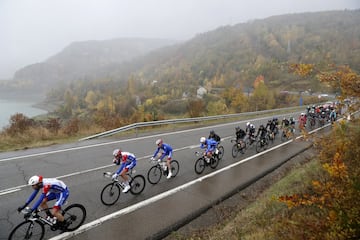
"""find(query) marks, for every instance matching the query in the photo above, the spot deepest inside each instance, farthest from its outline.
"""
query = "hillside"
(236, 55)
(86, 60)
(227, 56)
(102, 80)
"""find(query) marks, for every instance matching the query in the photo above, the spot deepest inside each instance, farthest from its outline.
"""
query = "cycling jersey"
(128, 161)
(210, 145)
(240, 134)
(215, 137)
(52, 189)
(262, 132)
(167, 151)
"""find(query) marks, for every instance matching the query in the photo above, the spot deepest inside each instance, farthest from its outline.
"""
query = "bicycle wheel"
(259, 146)
(28, 230)
(110, 194)
(221, 152)
(283, 136)
(154, 174)
(235, 150)
(74, 216)
(174, 164)
(200, 165)
(214, 162)
(137, 184)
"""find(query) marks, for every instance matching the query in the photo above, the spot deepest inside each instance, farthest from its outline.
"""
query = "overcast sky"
(33, 30)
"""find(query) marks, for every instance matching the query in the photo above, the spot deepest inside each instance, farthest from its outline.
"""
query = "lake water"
(10, 107)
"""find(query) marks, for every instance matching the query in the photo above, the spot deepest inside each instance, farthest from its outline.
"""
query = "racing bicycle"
(33, 227)
(111, 192)
(287, 134)
(203, 162)
(219, 151)
(262, 144)
(239, 146)
(155, 172)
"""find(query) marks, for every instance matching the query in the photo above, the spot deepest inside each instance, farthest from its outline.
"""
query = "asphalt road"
(81, 165)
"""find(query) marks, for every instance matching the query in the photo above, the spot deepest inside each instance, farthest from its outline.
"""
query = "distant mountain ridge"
(87, 60)
(229, 56)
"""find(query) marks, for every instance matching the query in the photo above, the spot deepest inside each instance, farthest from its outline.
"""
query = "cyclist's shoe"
(126, 189)
(169, 175)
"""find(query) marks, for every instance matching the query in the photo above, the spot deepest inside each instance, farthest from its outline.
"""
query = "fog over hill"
(227, 56)
(87, 60)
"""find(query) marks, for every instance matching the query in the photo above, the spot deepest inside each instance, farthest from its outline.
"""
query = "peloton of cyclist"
(52, 189)
(166, 151)
(210, 145)
(126, 161)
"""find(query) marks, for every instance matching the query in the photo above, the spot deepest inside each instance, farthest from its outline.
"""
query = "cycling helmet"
(202, 140)
(159, 141)
(247, 124)
(237, 128)
(302, 114)
(269, 121)
(35, 180)
(261, 126)
(212, 132)
(117, 153)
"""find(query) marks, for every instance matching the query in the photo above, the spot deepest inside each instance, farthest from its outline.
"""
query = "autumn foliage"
(330, 208)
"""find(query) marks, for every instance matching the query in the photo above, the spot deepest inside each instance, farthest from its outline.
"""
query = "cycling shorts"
(61, 198)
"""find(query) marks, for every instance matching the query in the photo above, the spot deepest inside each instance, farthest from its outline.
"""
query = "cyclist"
(261, 132)
(166, 151)
(127, 161)
(285, 124)
(271, 127)
(52, 189)
(250, 130)
(240, 134)
(210, 145)
(333, 116)
(214, 136)
(292, 124)
(302, 121)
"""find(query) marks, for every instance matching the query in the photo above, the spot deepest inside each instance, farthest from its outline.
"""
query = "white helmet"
(159, 141)
(116, 152)
(247, 124)
(35, 180)
(202, 139)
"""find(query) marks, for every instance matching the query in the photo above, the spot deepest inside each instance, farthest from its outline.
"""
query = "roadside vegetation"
(318, 200)
(23, 132)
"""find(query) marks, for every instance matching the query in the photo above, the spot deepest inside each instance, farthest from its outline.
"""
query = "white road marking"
(7, 191)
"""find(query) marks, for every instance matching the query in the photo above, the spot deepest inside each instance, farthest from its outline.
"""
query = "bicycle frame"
(120, 183)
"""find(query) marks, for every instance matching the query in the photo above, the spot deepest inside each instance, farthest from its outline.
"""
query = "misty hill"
(237, 55)
(87, 60)
(230, 56)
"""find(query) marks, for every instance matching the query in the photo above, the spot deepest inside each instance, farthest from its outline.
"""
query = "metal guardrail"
(185, 120)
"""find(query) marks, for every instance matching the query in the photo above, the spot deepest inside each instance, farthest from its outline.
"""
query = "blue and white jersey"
(49, 186)
(210, 145)
(128, 161)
